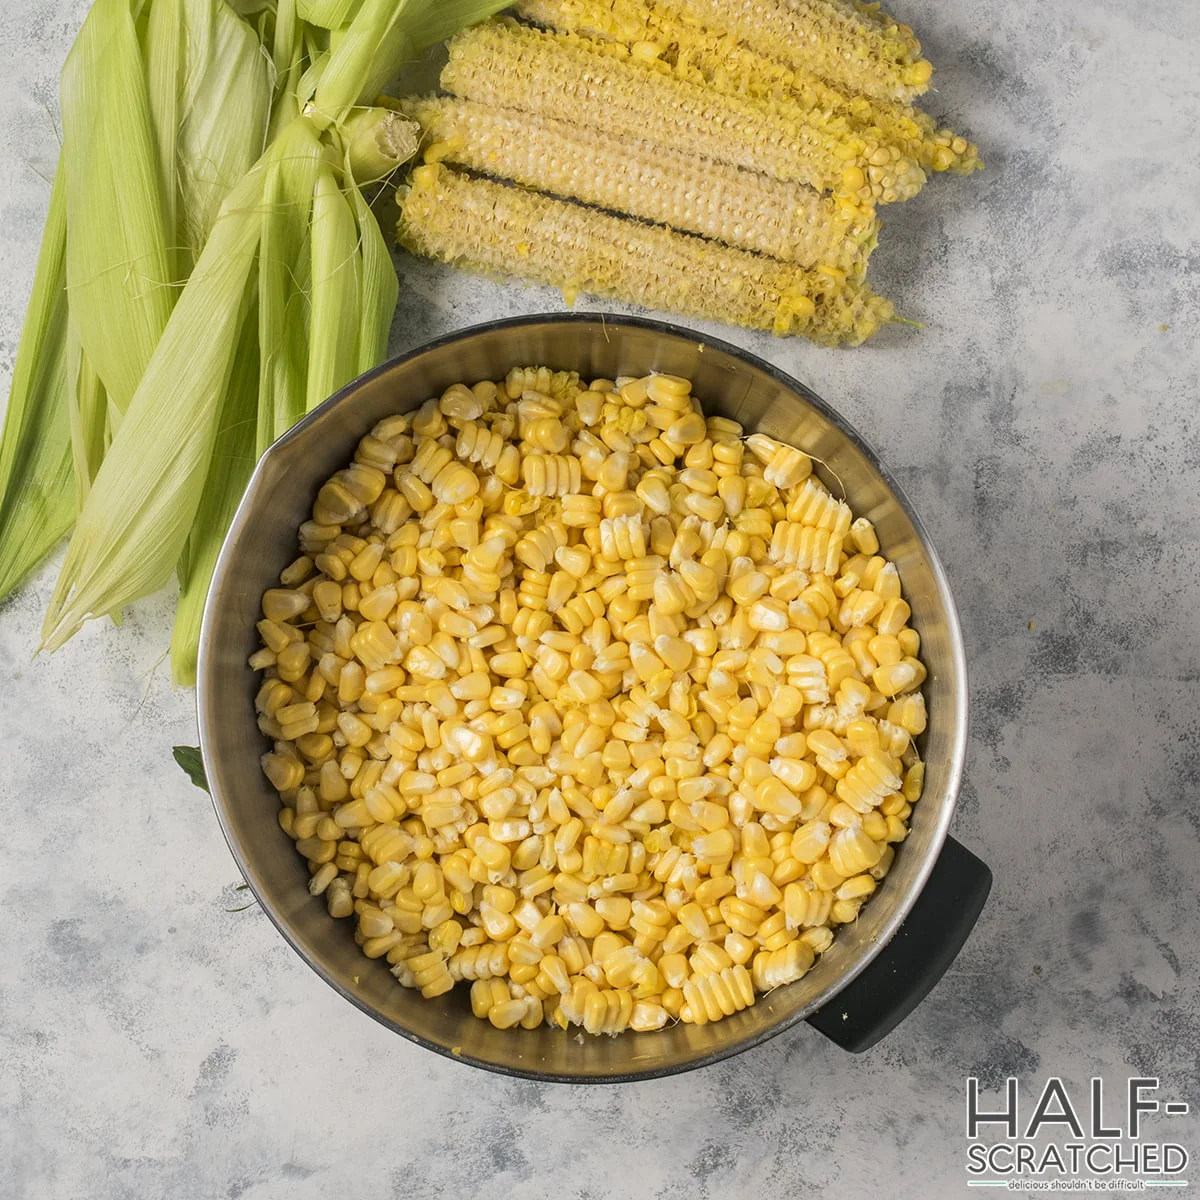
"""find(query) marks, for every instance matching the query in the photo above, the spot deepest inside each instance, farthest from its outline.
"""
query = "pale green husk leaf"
(225, 104)
(284, 282)
(336, 292)
(37, 502)
(118, 273)
(233, 461)
(133, 526)
(89, 410)
(380, 286)
(382, 37)
(196, 295)
(329, 14)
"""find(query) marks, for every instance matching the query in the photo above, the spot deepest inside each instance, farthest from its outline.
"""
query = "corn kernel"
(459, 762)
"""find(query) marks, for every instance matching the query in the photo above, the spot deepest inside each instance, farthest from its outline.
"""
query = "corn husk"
(378, 141)
(284, 282)
(383, 35)
(287, 39)
(286, 32)
(118, 269)
(329, 14)
(441, 19)
(164, 63)
(223, 109)
(212, 297)
(380, 287)
(315, 51)
(336, 292)
(233, 460)
(37, 503)
(307, 86)
(89, 418)
(267, 387)
(135, 522)
(251, 9)
(355, 72)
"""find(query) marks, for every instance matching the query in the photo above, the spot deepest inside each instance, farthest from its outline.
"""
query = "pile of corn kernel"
(591, 701)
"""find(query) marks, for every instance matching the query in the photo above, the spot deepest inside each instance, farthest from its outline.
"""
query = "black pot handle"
(906, 969)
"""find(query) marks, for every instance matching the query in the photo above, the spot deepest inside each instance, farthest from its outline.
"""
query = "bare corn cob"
(873, 54)
(497, 229)
(788, 221)
(720, 60)
(600, 84)
(871, 13)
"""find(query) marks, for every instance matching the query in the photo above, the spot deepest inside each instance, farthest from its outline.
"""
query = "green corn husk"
(378, 140)
(384, 34)
(135, 522)
(307, 85)
(251, 8)
(118, 269)
(354, 73)
(284, 281)
(380, 287)
(233, 460)
(267, 387)
(37, 502)
(286, 32)
(144, 392)
(164, 55)
(89, 419)
(287, 39)
(329, 14)
(211, 100)
(442, 19)
(336, 292)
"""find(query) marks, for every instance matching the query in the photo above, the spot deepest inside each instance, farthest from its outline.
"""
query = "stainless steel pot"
(877, 970)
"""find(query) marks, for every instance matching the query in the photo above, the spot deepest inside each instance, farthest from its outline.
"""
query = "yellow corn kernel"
(711, 997)
(639, 713)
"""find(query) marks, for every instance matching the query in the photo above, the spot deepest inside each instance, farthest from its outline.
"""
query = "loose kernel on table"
(572, 697)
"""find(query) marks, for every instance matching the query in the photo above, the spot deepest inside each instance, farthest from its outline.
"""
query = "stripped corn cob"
(602, 85)
(867, 53)
(497, 229)
(719, 60)
(742, 208)
(871, 13)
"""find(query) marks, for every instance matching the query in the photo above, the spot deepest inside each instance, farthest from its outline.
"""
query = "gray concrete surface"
(152, 1043)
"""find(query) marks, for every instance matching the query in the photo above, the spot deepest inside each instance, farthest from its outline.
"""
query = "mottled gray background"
(1045, 425)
